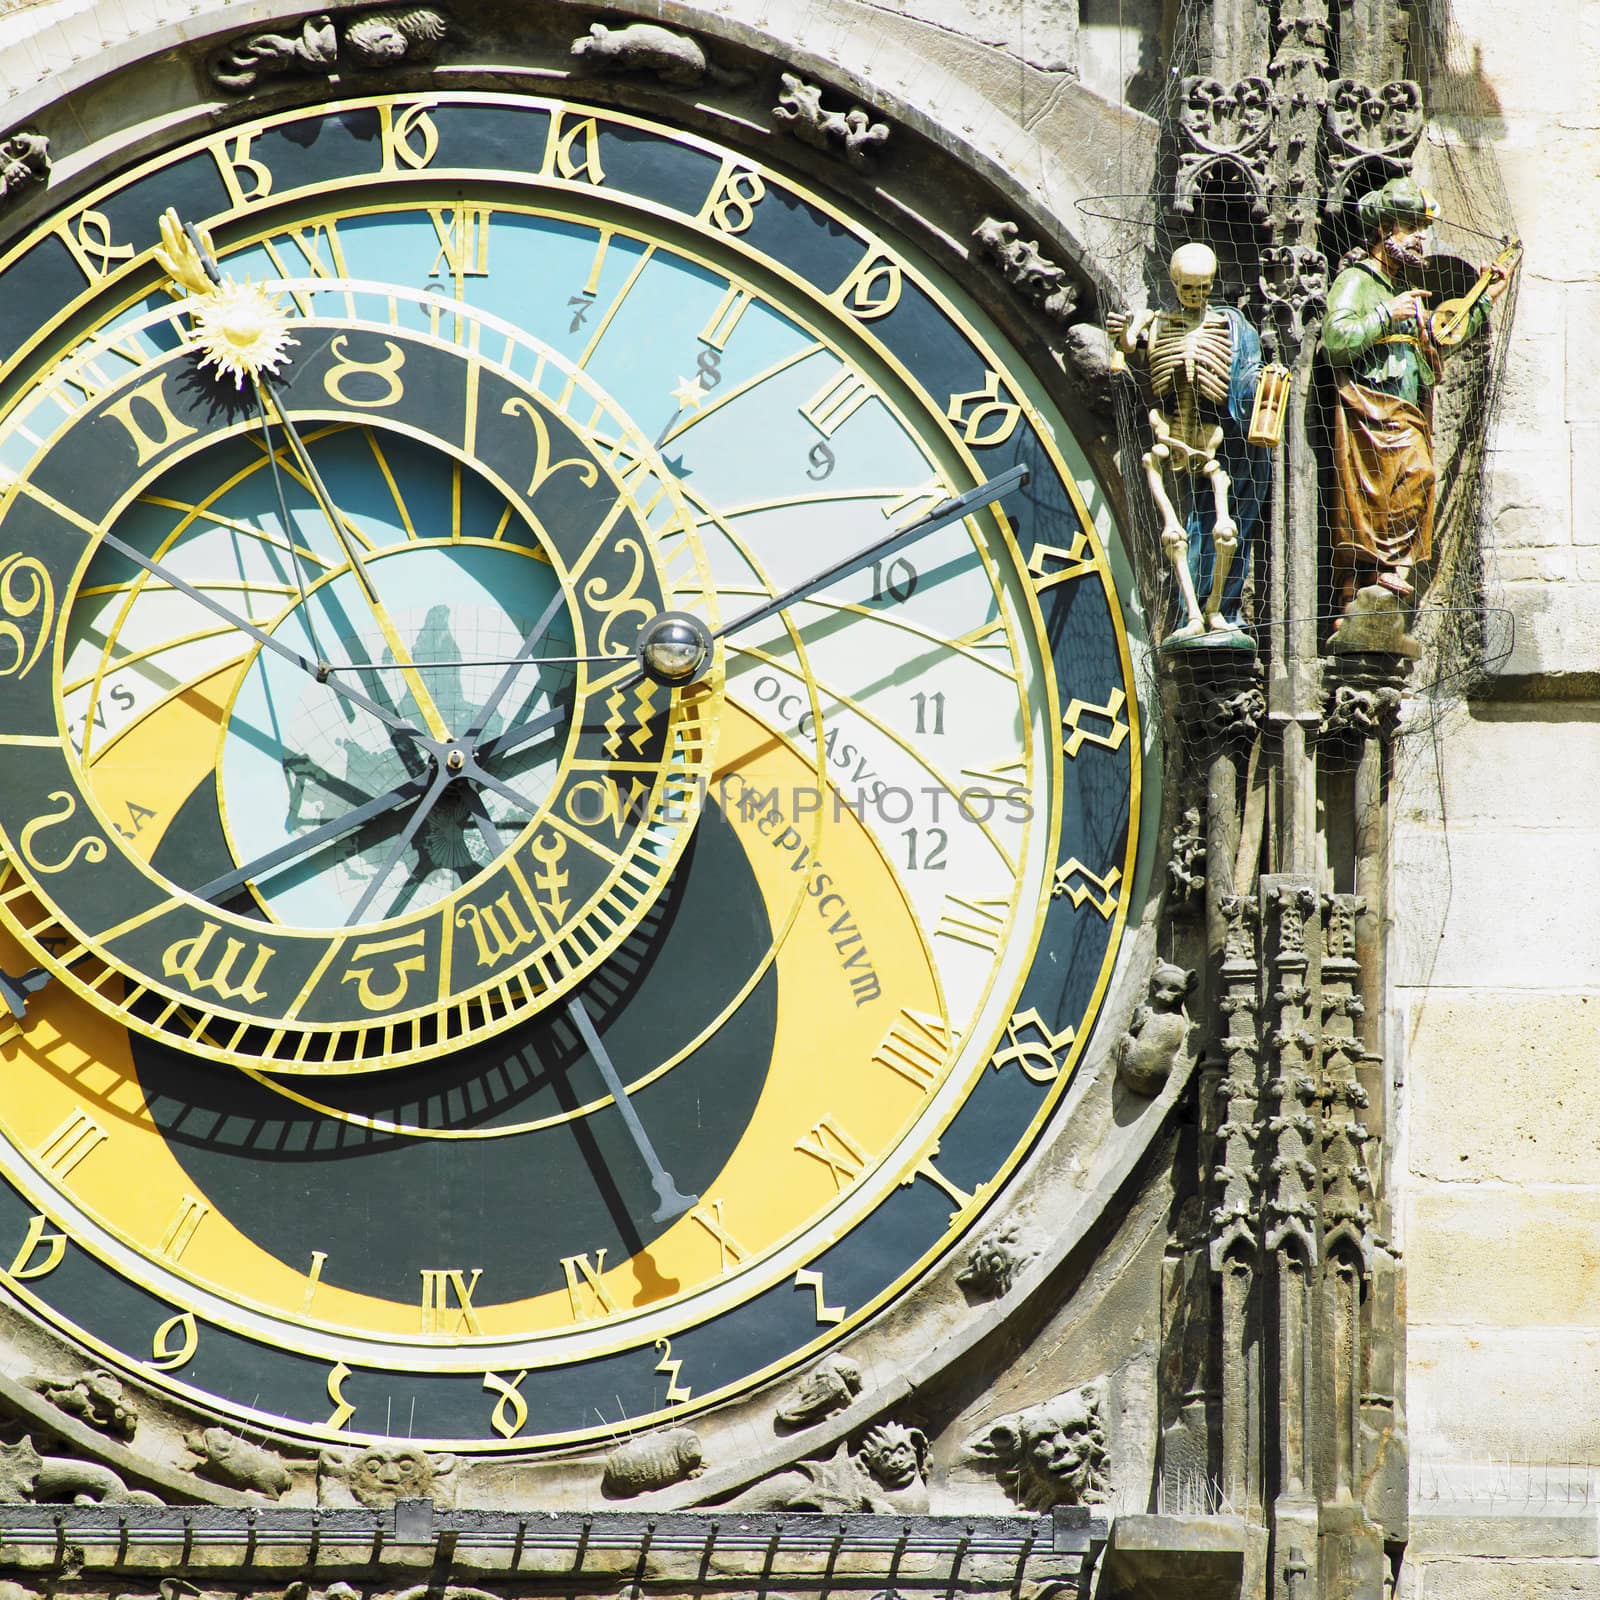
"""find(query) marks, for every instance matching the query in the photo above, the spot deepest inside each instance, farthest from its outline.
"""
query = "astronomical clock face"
(353, 860)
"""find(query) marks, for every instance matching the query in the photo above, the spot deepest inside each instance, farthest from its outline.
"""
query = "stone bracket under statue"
(1210, 443)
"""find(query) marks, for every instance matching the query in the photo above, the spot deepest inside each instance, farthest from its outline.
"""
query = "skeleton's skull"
(1193, 270)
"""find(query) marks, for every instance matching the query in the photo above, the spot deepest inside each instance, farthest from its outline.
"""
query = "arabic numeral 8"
(932, 859)
(896, 580)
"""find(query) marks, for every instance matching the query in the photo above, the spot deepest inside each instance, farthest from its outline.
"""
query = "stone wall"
(1496, 974)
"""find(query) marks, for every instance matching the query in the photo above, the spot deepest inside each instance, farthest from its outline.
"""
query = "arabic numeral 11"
(896, 579)
(930, 712)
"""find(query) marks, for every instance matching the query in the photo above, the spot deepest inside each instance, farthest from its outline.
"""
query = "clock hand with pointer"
(673, 649)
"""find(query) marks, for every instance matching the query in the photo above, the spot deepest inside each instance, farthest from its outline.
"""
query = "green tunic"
(1359, 340)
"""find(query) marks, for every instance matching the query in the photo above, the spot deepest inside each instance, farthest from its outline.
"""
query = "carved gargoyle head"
(1170, 986)
(1052, 1454)
(895, 1455)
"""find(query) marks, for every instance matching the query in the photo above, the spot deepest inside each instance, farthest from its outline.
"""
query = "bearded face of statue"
(1405, 248)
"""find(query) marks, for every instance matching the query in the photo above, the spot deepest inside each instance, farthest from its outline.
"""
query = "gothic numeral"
(729, 1251)
(1105, 902)
(77, 1138)
(983, 415)
(463, 234)
(586, 1294)
(1078, 735)
(915, 1046)
(437, 1285)
(836, 402)
(191, 1213)
(828, 1143)
(980, 923)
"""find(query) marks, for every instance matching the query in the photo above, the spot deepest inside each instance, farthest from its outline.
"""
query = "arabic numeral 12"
(932, 858)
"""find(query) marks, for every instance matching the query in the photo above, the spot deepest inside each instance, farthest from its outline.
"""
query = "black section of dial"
(383, 1207)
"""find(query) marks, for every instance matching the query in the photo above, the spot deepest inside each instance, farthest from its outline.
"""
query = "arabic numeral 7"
(930, 712)
(894, 580)
(930, 859)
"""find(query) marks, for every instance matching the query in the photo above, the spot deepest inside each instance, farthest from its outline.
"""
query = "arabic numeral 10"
(894, 580)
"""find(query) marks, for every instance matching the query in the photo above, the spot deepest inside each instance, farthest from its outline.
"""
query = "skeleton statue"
(1203, 362)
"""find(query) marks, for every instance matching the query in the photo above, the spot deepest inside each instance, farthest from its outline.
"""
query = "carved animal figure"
(652, 1462)
(643, 47)
(377, 39)
(27, 1475)
(830, 1386)
(243, 63)
(24, 160)
(996, 1260)
(856, 135)
(884, 1473)
(226, 1458)
(1025, 269)
(1052, 1454)
(382, 38)
(95, 1397)
(1158, 1037)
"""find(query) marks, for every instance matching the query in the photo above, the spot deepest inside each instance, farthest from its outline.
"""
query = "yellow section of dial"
(149, 768)
(823, 1094)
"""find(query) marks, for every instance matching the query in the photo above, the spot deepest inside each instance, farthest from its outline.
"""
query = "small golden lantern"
(1272, 404)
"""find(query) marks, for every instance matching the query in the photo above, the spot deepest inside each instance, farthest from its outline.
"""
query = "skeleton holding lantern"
(1204, 363)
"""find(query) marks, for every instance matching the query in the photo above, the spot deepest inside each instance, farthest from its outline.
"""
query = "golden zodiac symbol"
(595, 592)
(519, 406)
(89, 848)
(40, 596)
(547, 850)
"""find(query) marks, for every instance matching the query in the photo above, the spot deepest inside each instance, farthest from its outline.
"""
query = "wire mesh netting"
(1392, 354)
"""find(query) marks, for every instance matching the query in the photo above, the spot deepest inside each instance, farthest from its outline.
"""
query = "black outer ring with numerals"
(671, 178)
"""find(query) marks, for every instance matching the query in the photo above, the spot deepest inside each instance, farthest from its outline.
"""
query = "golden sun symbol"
(241, 330)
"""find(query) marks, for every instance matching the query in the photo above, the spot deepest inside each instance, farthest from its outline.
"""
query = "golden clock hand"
(391, 634)
(190, 262)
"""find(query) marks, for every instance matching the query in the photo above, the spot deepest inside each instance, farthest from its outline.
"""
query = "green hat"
(1399, 200)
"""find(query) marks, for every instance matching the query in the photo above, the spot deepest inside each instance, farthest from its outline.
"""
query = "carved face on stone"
(378, 1478)
(1193, 270)
(893, 1454)
(377, 40)
(1061, 1446)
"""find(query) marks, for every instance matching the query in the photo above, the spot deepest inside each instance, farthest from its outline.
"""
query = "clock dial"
(360, 848)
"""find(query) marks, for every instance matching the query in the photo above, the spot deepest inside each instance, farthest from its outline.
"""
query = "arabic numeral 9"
(894, 580)
(822, 460)
(928, 858)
